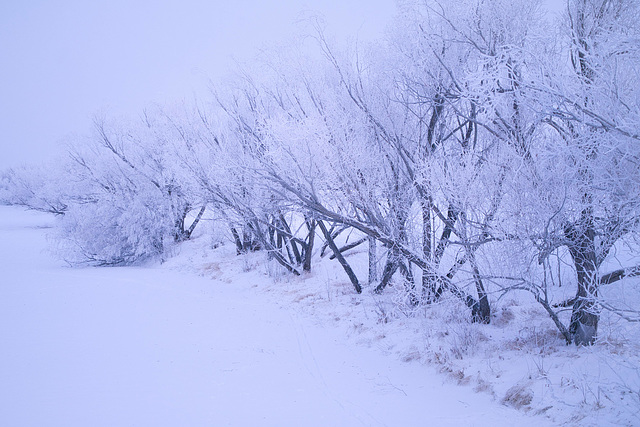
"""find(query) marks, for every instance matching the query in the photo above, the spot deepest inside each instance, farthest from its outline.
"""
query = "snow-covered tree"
(138, 195)
(587, 172)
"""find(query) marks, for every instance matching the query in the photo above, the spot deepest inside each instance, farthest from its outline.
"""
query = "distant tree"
(138, 197)
(40, 187)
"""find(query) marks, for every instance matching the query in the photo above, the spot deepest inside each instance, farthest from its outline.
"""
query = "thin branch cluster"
(480, 150)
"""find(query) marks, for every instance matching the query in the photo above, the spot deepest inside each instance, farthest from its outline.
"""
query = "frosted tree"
(593, 108)
(43, 187)
(432, 108)
(138, 196)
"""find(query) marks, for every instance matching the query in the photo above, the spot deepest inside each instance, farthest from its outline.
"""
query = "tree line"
(480, 149)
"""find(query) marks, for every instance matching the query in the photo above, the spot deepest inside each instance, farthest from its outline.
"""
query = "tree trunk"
(179, 232)
(238, 242)
(408, 275)
(350, 246)
(585, 315)
(290, 242)
(341, 260)
(308, 249)
(373, 262)
(428, 280)
(432, 287)
(389, 270)
(481, 311)
(195, 221)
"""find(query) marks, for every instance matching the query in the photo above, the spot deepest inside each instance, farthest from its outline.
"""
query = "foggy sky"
(64, 61)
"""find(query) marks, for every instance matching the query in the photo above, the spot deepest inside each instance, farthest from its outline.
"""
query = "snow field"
(160, 346)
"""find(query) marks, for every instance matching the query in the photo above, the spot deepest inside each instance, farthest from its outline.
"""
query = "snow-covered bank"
(159, 346)
(520, 360)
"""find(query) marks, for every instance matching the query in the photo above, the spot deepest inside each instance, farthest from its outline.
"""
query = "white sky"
(64, 61)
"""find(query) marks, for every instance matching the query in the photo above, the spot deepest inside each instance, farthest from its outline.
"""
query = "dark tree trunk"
(350, 246)
(341, 260)
(271, 231)
(248, 242)
(186, 234)
(373, 263)
(428, 281)
(237, 240)
(290, 243)
(585, 315)
(432, 287)
(334, 231)
(179, 232)
(408, 275)
(308, 249)
(481, 312)
(390, 267)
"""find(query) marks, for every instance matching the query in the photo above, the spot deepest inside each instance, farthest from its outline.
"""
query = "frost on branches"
(481, 150)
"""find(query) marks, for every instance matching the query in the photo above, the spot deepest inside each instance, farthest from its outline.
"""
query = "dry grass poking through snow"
(520, 359)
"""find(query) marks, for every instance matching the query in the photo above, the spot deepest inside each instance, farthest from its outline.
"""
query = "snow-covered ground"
(209, 339)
